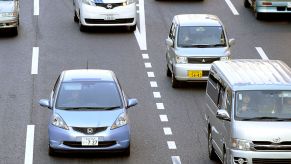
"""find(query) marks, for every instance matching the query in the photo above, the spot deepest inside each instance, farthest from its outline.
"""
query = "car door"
(171, 49)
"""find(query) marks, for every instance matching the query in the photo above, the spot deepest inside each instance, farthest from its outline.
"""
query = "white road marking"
(176, 160)
(168, 131)
(164, 118)
(36, 7)
(160, 106)
(34, 61)
(29, 144)
(171, 145)
(262, 53)
(145, 56)
(148, 65)
(157, 94)
(153, 84)
(151, 74)
(141, 35)
(232, 8)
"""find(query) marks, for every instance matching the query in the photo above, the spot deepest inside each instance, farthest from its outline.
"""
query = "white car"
(105, 13)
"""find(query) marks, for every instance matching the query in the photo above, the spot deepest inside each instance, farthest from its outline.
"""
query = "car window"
(88, 94)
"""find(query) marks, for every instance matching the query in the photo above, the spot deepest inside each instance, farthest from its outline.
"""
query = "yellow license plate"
(195, 73)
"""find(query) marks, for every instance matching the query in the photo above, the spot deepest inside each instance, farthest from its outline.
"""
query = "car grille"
(89, 130)
(271, 161)
(108, 5)
(270, 146)
(202, 60)
(79, 144)
(102, 21)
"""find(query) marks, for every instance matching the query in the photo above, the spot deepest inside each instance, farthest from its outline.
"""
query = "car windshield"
(201, 36)
(88, 95)
(263, 105)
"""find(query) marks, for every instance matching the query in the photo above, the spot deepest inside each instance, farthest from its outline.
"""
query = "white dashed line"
(176, 160)
(36, 7)
(167, 131)
(171, 145)
(262, 53)
(29, 145)
(160, 106)
(232, 8)
(34, 61)
(157, 94)
(148, 65)
(164, 118)
(154, 84)
(151, 74)
(145, 56)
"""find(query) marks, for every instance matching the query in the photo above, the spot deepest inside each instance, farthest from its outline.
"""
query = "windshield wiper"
(90, 108)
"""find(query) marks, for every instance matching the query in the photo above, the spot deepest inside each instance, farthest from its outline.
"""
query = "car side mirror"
(169, 42)
(45, 103)
(231, 42)
(131, 102)
(222, 115)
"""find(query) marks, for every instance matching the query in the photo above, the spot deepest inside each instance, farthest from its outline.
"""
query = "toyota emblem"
(89, 130)
(109, 6)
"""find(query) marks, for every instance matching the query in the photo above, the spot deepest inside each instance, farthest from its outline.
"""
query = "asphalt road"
(62, 46)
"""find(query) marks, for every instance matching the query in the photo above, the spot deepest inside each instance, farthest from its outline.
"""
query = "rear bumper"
(275, 7)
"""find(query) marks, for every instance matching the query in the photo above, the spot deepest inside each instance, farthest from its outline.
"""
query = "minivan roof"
(254, 74)
(197, 20)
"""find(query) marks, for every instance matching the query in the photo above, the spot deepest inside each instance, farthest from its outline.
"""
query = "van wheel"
(211, 152)
(247, 4)
(175, 82)
(76, 19)
(168, 72)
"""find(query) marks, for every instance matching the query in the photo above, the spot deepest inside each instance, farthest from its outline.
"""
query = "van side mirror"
(222, 115)
(45, 103)
(231, 42)
(169, 42)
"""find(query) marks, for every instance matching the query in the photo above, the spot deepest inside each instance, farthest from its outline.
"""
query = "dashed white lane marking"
(160, 106)
(151, 74)
(171, 145)
(164, 118)
(167, 131)
(34, 61)
(157, 94)
(36, 7)
(262, 53)
(153, 84)
(28, 159)
(148, 65)
(176, 160)
(232, 8)
(145, 56)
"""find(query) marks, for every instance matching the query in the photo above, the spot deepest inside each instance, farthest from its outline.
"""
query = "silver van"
(248, 112)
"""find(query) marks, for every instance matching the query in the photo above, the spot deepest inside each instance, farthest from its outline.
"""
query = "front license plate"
(89, 141)
(195, 73)
(109, 17)
(289, 4)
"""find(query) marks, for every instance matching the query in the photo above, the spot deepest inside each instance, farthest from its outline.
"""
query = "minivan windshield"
(88, 95)
(201, 36)
(263, 105)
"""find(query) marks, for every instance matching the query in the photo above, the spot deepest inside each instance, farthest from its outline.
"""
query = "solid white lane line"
(34, 61)
(140, 35)
(171, 145)
(160, 106)
(151, 74)
(176, 160)
(145, 56)
(153, 84)
(168, 131)
(157, 94)
(164, 118)
(232, 8)
(262, 53)
(36, 7)
(29, 145)
(148, 65)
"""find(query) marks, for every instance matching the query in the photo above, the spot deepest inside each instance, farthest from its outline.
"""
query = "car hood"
(205, 52)
(89, 118)
(7, 6)
(109, 1)
(262, 131)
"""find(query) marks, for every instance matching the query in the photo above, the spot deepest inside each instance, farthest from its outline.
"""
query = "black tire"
(82, 27)
(14, 31)
(175, 82)
(211, 152)
(168, 72)
(51, 151)
(132, 28)
(76, 19)
(259, 16)
(247, 4)
(126, 151)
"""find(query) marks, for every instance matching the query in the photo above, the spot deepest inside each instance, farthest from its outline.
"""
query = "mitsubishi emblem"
(89, 130)
(109, 6)
(203, 61)
(277, 140)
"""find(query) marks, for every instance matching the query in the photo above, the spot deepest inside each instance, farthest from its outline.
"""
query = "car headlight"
(57, 120)
(120, 121)
(9, 14)
(89, 2)
(181, 59)
(239, 144)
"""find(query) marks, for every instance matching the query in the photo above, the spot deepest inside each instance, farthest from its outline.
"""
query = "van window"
(228, 101)
(220, 103)
(215, 90)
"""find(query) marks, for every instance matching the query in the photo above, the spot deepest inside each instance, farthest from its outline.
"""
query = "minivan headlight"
(120, 121)
(57, 121)
(181, 59)
(240, 144)
(89, 2)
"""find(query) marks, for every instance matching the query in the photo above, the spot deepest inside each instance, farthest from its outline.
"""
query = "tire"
(168, 72)
(14, 31)
(247, 4)
(132, 28)
(259, 16)
(211, 152)
(76, 19)
(81, 26)
(175, 82)
(126, 151)
(51, 151)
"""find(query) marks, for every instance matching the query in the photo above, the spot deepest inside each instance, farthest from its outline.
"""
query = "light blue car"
(262, 7)
(89, 113)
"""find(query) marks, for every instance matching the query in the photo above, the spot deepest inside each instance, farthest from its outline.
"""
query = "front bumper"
(100, 16)
(8, 22)
(181, 71)
(276, 7)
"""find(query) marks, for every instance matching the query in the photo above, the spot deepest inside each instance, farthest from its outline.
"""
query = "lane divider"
(176, 160)
(28, 159)
(171, 145)
(164, 118)
(34, 61)
(140, 35)
(167, 131)
(36, 7)
(262, 53)
(157, 94)
(160, 106)
(232, 8)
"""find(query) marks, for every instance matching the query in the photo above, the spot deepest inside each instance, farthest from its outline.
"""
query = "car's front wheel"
(175, 82)
(51, 151)
(211, 152)
(126, 151)
(76, 19)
